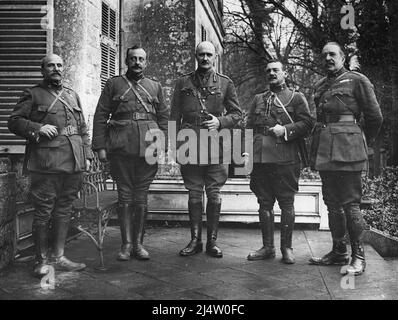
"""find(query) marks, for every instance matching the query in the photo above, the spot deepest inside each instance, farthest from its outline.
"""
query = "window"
(109, 43)
(203, 33)
(25, 40)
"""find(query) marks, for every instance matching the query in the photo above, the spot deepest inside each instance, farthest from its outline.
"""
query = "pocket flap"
(118, 99)
(345, 129)
(154, 100)
(49, 144)
(44, 108)
(342, 90)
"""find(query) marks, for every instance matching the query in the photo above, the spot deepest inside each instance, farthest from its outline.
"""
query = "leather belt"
(134, 116)
(332, 118)
(69, 131)
(195, 119)
(264, 130)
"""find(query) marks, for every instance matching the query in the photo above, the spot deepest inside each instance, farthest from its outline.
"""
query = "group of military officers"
(50, 117)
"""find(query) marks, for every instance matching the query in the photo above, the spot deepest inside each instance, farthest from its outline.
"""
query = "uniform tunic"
(276, 160)
(121, 122)
(218, 97)
(341, 145)
(55, 165)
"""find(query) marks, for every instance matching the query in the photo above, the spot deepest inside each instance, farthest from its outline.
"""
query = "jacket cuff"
(290, 132)
(88, 153)
(98, 143)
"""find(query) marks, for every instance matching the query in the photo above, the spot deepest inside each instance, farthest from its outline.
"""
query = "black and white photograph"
(195, 157)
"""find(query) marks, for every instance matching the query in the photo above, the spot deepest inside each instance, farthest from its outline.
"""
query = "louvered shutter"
(108, 43)
(23, 43)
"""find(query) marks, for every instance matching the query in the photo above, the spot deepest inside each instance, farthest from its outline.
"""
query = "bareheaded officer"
(339, 152)
(204, 100)
(129, 106)
(49, 115)
(280, 118)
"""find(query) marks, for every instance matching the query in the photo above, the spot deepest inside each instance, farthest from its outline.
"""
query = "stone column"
(77, 30)
(7, 213)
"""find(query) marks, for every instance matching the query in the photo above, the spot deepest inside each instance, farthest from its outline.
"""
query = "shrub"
(383, 190)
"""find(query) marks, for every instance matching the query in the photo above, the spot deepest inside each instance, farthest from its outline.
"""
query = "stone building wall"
(77, 38)
(166, 30)
(7, 213)
(214, 33)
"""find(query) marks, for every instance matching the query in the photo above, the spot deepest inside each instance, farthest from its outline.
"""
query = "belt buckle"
(68, 130)
(135, 116)
(266, 130)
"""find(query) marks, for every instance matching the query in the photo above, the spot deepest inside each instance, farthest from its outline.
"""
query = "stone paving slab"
(167, 276)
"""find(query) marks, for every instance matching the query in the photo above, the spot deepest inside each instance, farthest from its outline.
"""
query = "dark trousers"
(342, 193)
(270, 182)
(133, 176)
(52, 195)
(212, 177)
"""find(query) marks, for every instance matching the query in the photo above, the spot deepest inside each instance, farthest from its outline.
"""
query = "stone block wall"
(7, 213)
(166, 30)
(77, 32)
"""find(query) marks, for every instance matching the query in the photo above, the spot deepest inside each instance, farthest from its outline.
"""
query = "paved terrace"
(169, 276)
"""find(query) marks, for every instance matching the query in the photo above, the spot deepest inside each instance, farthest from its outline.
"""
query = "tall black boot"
(266, 218)
(60, 262)
(195, 218)
(355, 226)
(139, 218)
(213, 216)
(40, 236)
(287, 226)
(124, 212)
(337, 225)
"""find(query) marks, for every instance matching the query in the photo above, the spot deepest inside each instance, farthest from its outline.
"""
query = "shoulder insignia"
(187, 74)
(35, 86)
(223, 76)
(319, 82)
(359, 75)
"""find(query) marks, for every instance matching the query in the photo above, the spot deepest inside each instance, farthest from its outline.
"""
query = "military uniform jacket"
(115, 128)
(338, 145)
(218, 95)
(266, 112)
(64, 153)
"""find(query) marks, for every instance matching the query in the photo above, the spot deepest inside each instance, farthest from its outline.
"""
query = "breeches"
(133, 176)
(270, 182)
(52, 195)
(212, 177)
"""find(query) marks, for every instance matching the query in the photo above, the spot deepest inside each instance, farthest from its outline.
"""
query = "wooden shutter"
(23, 43)
(108, 43)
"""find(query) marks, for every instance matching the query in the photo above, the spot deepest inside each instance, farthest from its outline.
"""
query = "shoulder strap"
(132, 88)
(283, 107)
(197, 94)
(57, 97)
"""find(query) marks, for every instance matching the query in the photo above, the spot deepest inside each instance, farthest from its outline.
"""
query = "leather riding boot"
(40, 236)
(59, 261)
(213, 216)
(139, 218)
(195, 218)
(358, 264)
(124, 215)
(355, 226)
(338, 255)
(266, 218)
(287, 225)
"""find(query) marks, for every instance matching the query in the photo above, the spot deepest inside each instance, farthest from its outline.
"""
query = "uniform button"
(203, 100)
